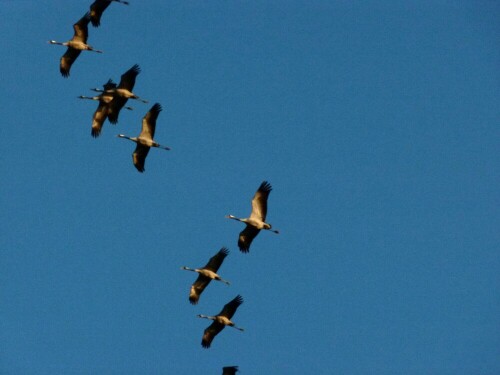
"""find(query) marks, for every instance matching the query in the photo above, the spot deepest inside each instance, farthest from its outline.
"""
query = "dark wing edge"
(139, 157)
(209, 334)
(231, 307)
(115, 107)
(67, 61)
(96, 10)
(197, 288)
(127, 80)
(246, 237)
(216, 261)
(98, 120)
(229, 370)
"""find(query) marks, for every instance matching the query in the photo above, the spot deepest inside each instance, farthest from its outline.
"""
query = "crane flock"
(112, 99)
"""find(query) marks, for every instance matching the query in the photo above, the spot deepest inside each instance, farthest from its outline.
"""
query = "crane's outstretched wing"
(209, 334)
(67, 60)
(127, 80)
(82, 29)
(96, 10)
(259, 201)
(230, 308)
(98, 120)
(215, 262)
(115, 106)
(139, 156)
(246, 237)
(149, 122)
(197, 288)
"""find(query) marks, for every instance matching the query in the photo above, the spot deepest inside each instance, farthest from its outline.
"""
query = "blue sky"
(376, 122)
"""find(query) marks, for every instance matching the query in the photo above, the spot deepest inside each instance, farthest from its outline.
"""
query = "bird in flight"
(101, 112)
(206, 274)
(220, 321)
(145, 140)
(257, 220)
(76, 45)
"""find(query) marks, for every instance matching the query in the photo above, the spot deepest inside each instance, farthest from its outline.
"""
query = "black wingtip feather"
(156, 108)
(238, 299)
(265, 186)
(244, 247)
(136, 68)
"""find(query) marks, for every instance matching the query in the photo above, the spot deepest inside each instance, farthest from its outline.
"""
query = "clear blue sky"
(376, 122)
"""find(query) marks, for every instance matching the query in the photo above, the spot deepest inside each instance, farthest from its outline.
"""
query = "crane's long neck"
(133, 139)
(59, 43)
(234, 218)
(188, 269)
(206, 317)
(88, 97)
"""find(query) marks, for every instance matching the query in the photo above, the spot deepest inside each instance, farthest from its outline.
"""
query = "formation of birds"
(112, 99)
